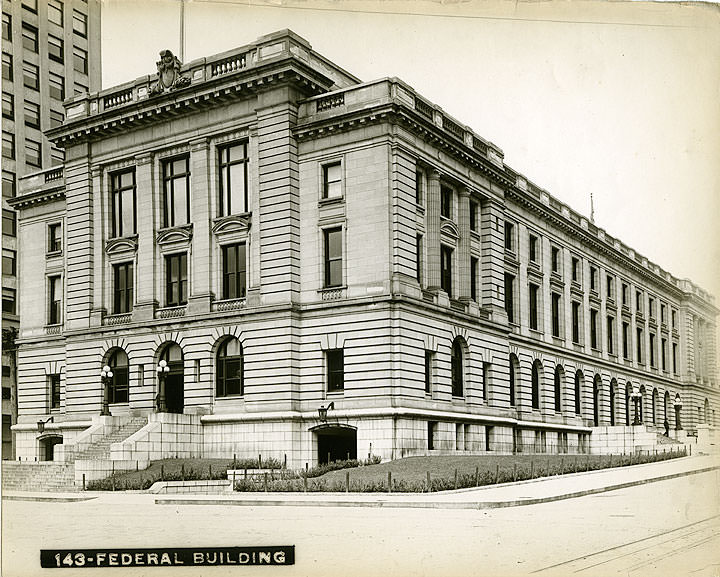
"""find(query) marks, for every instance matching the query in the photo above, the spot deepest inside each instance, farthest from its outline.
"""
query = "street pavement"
(664, 527)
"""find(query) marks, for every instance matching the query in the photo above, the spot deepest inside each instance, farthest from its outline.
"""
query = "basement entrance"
(47, 446)
(336, 444)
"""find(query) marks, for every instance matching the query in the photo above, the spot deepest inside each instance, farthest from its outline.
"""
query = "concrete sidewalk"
(541, 490)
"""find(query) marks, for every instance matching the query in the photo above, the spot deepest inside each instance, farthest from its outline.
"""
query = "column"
(145, 210)
(463, 260)
(201, 257)
(493, 259)
(432, 231)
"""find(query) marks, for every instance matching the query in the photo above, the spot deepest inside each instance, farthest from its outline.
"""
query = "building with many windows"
(50, 51)
(264, 255)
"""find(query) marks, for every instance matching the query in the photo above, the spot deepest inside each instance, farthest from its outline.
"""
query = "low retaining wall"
(210, 487)
(166, 436)
(102, 468)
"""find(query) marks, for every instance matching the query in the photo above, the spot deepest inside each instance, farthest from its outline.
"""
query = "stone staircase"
(38, 476)
(101, 449)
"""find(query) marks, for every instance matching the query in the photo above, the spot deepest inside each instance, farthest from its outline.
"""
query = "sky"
(616, 99)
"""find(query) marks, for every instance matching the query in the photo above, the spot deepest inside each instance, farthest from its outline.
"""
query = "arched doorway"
(174, 379)
(335, 443)
(47, 446)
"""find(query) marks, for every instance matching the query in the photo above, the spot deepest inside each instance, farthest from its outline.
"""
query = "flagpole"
(182, 30)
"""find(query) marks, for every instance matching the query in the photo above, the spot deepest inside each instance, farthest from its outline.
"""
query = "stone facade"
(389, 264)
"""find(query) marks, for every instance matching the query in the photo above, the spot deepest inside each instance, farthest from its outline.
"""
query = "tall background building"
(50, 52)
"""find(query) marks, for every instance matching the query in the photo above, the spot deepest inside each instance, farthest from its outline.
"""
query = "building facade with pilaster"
(275, 258)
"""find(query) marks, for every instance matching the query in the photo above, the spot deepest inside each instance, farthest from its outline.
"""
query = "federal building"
(256, 253)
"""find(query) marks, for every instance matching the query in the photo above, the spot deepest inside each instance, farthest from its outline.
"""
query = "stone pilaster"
(202, 255)
(493, 260)
(463, 260)
(432, 231)
(147, 206)
(98, 310)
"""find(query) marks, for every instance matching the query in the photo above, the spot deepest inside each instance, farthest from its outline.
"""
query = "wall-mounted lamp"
(41, 424)
(323, 411)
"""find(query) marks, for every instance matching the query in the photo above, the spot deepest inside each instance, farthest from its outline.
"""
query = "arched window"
(706, 412)
(578, 390)
(558, 388)
(174, 378)
(613, 391)
(666, 405)
(655, 397)
(118, 363)
(457, 368)
(514, 364)
(597, 384)
(229, 368)
(641, 403)
(536, 369)
(628, 402)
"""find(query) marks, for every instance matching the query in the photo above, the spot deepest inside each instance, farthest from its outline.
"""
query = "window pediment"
(123, 245)
(449, 230)
(174, 237)
(232, 225)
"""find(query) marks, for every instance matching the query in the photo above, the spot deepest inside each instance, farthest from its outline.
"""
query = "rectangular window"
(533, 248)
(56, 49)
(54, 390)
(8, 106)
(509, 297)
(176, 188)
(9, 301)
(418, 187)
(651, 307)
(624, 295)
(663, 316)
(333, 257)
(428, 371)
(33, 153)
(32, 114)
(9, 262)
(610, 287)
(555, 259)
(123, 203)
(234, 271)
(593, 329)
(80, 89)
(509, 236)
(7, 67)
(673, 318)
(31, 76)
(446, 194)
(626, 340)
(639, 337)
(335, 370)
(80, 60)
(55, 12)
(233, 179)
(534, 289)
(7, 27)
(332, 180)
(576, 322)
(8, 145)
(611, 335)
(56, 118)
(593, 278)
(446, 255)
(55, 300)
(54, 237)
(30, 38)
(57, 156)
(431, 426)
(56, 85)
(176, 280)
(473, 215)
(9, 223)
(8, 184)
(418, 257)
(79, 23)
(638, 302)
(663, 354)
(575, 269)
(652, 349)
(123, 288)
(30, 5)
(555, 304)
(473, 278)
(674, 357)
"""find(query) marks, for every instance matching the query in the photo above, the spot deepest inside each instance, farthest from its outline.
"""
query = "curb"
(427, 504)
(50, 498)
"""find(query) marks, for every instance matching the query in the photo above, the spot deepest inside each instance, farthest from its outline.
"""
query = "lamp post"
(636, 396)
(106, 375)
(162, 371)
(323, 411)
(678, 407)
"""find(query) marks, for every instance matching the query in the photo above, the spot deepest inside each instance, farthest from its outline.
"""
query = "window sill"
(333, 200)
(239, 397)
(333, 293)
(53, 254)
(117, 319)
(171, 312)
(337, 393)
(228, 305)
(53, 329)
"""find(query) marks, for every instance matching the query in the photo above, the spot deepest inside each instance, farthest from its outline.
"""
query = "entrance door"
(336, 444)
(49, 446)
(174, 392)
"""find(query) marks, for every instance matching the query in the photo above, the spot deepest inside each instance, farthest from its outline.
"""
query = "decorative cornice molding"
(40, 197)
